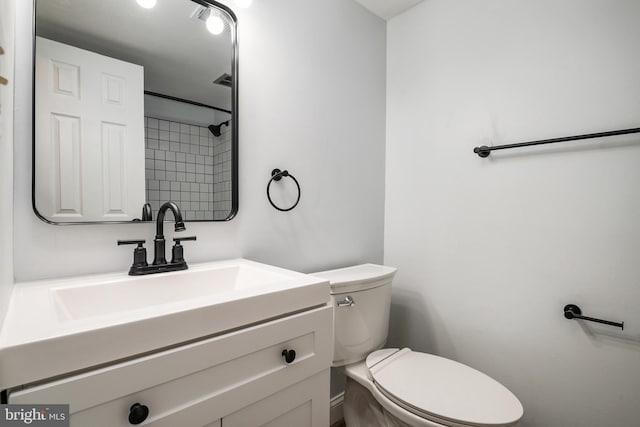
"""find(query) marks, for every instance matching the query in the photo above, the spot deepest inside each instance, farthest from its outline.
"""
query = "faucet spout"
(159, 257)
(147, 215)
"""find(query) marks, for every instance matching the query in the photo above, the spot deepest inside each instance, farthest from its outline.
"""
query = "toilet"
(400, 387)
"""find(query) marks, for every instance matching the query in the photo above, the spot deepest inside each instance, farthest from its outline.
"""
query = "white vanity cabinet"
(238, 378)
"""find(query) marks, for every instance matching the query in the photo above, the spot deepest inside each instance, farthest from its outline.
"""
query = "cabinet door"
(305, 404)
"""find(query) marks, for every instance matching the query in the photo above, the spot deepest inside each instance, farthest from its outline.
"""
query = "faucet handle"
(180, 239)
(139, 253)
(131, 242)
(177, 253)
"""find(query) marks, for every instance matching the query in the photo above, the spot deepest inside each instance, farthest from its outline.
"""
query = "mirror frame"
(233, 29)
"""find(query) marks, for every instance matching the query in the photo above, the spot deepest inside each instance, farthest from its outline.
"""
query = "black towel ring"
(276, 175)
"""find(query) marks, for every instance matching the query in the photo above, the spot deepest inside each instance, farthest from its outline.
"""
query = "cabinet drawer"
(198, 383)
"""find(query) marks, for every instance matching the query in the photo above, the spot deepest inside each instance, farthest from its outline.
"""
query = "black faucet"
(160, 263)
(158, 258)
(147, 215)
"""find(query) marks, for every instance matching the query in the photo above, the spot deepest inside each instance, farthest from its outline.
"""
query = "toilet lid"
(442, 390)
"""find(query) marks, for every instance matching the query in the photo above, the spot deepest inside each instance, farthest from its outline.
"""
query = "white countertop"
(54, 327)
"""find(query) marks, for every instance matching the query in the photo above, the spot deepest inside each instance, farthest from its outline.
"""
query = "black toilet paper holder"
(572, 311)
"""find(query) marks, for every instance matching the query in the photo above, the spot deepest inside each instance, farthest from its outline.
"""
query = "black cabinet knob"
(138, 413)
(289, 355)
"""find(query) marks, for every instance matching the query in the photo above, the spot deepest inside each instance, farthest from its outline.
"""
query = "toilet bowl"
(394, 387)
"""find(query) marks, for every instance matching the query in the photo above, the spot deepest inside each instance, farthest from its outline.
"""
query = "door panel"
(89, 135)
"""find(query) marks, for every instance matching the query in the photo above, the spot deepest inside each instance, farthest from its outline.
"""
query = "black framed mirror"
(135, 104)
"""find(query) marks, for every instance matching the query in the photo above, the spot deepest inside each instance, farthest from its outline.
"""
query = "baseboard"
(337, 414)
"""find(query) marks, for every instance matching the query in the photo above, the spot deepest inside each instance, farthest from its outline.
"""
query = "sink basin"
(89, 321)
(133, 293)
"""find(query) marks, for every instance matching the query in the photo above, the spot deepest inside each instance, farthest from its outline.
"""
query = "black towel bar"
(484, 150)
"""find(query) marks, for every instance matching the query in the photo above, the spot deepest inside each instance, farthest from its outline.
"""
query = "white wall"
(312, 100)
(7, 20)
(490, 250)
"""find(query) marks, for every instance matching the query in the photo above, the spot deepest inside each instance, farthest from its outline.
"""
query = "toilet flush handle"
(348, 301)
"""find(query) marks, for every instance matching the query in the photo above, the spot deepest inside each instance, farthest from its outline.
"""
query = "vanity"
(126, 123)
(227, 343)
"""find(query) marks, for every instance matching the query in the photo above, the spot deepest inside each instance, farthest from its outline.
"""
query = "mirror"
(133, 107)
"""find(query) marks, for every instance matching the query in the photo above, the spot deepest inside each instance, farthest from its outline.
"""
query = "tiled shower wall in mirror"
(190, 166)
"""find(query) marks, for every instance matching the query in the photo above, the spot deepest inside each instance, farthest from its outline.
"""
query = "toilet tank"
(361, 298)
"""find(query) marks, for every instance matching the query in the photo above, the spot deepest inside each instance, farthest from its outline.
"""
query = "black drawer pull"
(138, 413)
(289, 355)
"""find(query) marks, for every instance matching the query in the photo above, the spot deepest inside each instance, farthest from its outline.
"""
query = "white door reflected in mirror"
(89, 125)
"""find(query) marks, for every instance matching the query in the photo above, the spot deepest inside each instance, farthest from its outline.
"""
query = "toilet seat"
(442, 390)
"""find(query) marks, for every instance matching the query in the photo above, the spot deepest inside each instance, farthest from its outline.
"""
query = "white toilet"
(400, 387)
